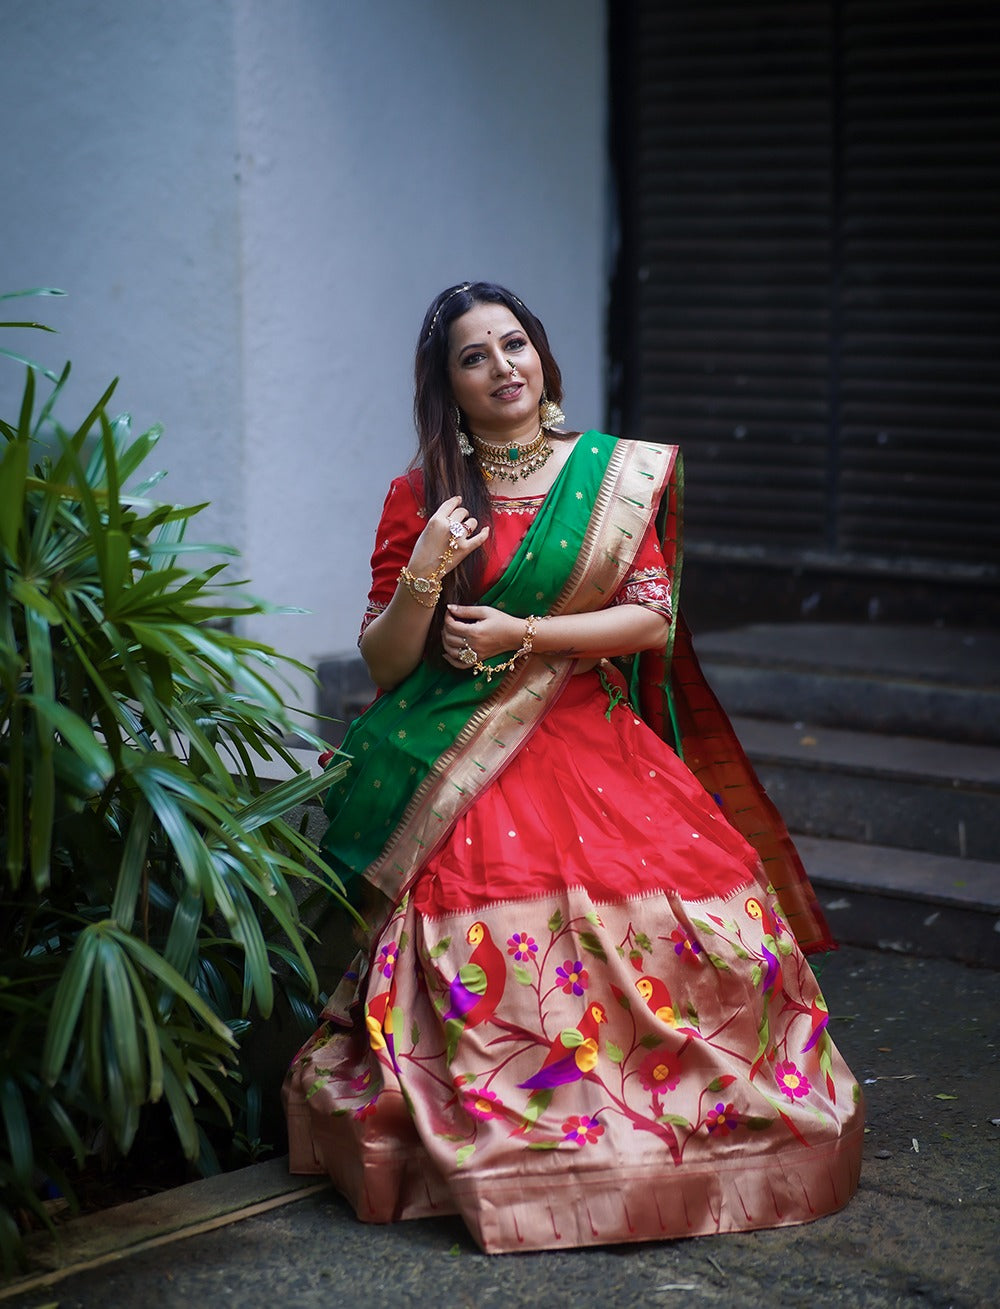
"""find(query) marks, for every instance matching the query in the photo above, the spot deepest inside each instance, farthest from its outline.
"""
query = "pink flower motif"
(361, 1082)
(521, 946)
(685, 946)
(481, 1104)
(722, 1119)
(387, 958)
(573, 977)
(659, 1072)
(582, 1131)
(794, 1084)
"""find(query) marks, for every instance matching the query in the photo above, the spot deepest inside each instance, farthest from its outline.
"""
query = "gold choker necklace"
(512, 463)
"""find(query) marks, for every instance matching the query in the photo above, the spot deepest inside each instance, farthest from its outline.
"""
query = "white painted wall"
(253, 203)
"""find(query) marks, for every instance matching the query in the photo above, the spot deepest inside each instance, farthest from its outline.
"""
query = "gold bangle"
(491, 670)
(427, 590)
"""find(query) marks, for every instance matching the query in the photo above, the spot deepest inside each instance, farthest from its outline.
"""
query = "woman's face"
(482, 346)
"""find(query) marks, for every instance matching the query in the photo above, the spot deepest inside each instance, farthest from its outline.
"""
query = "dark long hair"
(446, 470)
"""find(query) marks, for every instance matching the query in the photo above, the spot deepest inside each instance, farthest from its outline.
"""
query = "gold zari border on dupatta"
(625, 505)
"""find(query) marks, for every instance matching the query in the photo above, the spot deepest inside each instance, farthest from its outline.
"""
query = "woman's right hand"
(432, 543)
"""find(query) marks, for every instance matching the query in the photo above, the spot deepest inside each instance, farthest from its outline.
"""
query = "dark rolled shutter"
(807, 297)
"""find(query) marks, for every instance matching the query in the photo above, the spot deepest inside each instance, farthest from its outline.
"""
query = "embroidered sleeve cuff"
(650, 588)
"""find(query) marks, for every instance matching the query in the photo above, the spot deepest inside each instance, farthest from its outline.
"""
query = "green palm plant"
(149, 880)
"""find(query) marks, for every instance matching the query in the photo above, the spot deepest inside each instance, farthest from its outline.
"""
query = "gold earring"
(464, 444)
(549, 412)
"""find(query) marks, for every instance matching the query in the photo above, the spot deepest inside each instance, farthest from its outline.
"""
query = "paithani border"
(624, 506)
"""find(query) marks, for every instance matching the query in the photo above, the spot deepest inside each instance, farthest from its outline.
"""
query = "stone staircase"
(881, 747)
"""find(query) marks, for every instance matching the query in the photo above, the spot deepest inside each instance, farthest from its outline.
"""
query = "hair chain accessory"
(427, 590)
(476, 665)
(450, 296)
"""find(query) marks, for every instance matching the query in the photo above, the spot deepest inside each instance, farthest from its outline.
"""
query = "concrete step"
(918, 681)
(909, 792)
(906, 900)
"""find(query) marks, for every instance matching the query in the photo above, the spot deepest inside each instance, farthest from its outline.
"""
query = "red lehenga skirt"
(586, 1022)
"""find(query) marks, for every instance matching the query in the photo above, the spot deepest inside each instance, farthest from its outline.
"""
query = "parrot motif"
(657, 998)
(477, 988)
(771, 977)
(569, 1061)
(659, 1003)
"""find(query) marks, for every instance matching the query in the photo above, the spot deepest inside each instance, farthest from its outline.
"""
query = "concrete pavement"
(924, 1229)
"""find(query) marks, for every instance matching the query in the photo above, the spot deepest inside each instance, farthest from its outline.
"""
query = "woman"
(583, 1017)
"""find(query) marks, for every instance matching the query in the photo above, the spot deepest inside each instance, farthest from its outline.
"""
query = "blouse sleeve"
(403, 519)
(648, 580)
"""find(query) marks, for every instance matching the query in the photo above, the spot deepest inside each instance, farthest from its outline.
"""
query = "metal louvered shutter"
(807, 298)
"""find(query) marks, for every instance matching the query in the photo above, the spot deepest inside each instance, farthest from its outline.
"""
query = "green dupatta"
(424, 751)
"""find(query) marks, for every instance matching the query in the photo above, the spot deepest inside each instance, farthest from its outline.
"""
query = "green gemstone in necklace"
(513, 454)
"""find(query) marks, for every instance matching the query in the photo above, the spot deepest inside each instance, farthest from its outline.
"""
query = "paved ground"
(922, 1036)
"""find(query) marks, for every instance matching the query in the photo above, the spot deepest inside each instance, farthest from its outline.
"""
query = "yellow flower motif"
(563, 544)
(404, 704)
(530, 554)
(364, 745)
(377, 784)
(579, 495)
(401, 734)
(593, 449)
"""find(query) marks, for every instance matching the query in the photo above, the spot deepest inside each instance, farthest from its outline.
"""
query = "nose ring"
(513, 368)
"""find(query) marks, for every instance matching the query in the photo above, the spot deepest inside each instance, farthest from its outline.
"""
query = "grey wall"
(251, 205)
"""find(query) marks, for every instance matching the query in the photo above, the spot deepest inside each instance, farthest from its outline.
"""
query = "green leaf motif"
(545, 1145)
(593, 918)
(415, 1034)
(719, 963)
(614, 1052)
(643, 942)
(702, 926)
(593, 946)
(522, 975)
(555, 922)
(463, 1154)
(571, 1037)
(758, 1124)
(650, 1041)
(438, 950)
(674, 1120)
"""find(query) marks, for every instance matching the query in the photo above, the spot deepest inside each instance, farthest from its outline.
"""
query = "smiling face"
(498, 405)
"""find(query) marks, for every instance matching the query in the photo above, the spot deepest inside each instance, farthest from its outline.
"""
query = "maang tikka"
(464, 444)
(549, 413)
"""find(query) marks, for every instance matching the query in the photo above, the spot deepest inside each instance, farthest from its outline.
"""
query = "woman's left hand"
(485, 631)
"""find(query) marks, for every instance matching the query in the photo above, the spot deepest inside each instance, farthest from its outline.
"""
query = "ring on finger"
(467, 655)
(457, 530)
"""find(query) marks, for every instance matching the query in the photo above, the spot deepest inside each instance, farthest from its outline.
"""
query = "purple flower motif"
(794, 1084)
(573, 977)
(387, 958)
(722, 1119)
(582, 1130)
(522, 947)
(685, 946)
